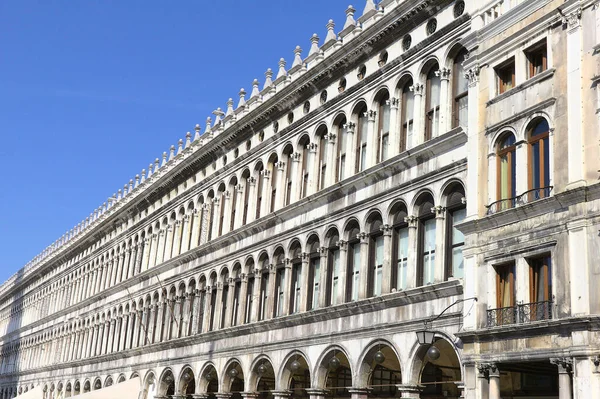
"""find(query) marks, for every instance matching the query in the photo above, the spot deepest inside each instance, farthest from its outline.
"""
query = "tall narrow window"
(249, 299)
(262, 305)
(333, 274)
(540, 287)
(407, 115)
(376, 266)
(341, 150)
(361, 140)
(537, 59)
(233, 203)
(506, 76)
(505, 286)
(273, 181)
(288, 180)
(432, 103)
(305, 170)
(460, 85)
(246, 198)
(314, 279)
(539, 159)
(224, 303)
(426, 233)
(401, 257)
(236, 301)
(296, 287)
(353, 271)
(322, 158)
(457, 242)
(506, 170)
(279, 287)
(383, 131)
(259, 190)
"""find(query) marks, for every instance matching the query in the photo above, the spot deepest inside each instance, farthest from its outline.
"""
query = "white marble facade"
(428, 165)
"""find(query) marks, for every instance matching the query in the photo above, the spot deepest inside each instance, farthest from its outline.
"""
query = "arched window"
(375, 276)
(400, 249)
(322, 135)
(304, 144)
(314, 274)
(407, 115)
(432, 103)
(296, 256)
(539, 159)
(361, 139)
(426, 242)
(333, 269)
(224, 294)
(342, 139)
(221, 196)
(353, 264)
(264, 283)
(460, 89)
(273, 171)
(236, 294)
(279, 261)
(455, 240)
(249, 291)
(259, 188)
(506, 171)
(289, 179)
(233, 202)
(383, 130)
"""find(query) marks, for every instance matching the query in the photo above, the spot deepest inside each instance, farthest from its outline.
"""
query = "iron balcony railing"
(524, 313)
(525, 198)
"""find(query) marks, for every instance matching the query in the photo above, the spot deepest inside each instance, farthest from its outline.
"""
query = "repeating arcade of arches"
(179, 309)
(335, 370)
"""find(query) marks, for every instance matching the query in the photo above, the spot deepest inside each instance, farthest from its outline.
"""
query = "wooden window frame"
(421, 247)
(372, 267)
(540, 261)
(340, 152)
(539, 49)
(395, 252)
(502, 71)
(509, 268)
(449, 247)
(512, 152)
(358, 167)
(544, 140)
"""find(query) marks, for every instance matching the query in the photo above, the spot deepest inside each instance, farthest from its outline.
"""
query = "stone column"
(341, 294)
(230, 305)
(153, 250)
(239, 206)
(419, 118)
(304, 285)
(445, 102)
(218, 307)
(564, 377)
(243, 294)
(281, 394)
(266, 192)
(150, 331)
(287, 291)
(193, 222)
(111, 338)
(215, 217)
(185, 324)
(204, 225)
(372, 147)
(146, 253)
(358, 393)
(186, 233)
(281, 189)
(363, 277)
(410, 391)
(315, 393)
(126, 269)
(256, 295)
(324, 266)
(440, 238)
(140, 250)
(138, 328)
(102, 341)
(177, 236)
(226, 212)
(394, 128)
(269, 308)
(207, 310)
(251, 208)
(350, 153)
(169, 319)
(494, 378)
(575, 128)
(411, 276)
(386, 273)
(162, 243)
(313, 169)
(196, 312)
(158, 332)
(120, 267)
(123, 339)
(295, 175)
(93, 341)
(330, 156)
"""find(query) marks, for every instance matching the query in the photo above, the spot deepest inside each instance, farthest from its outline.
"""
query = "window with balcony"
(505, 312)
(540, 288)
(505, 74)
(538, 136)
(537, 59)
(506, 171)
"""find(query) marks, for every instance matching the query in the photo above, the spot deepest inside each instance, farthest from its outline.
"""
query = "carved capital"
(280, 165)
(443, 74)
(295, 157)
(239, 188)
(411, 220)
(371, 115)
(363, 237)
(251, 180)
(417, 89)
(350, 126)
(343, 245)
(386, 229)
(312, 147)
(323, 251)
(266, 173)
(565, 364)
(330, 138)
(393, 102)
(472, 75)
(573, 19)
(438, 211)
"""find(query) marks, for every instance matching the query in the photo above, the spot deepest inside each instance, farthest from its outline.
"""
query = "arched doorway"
(335, 373)
(295, 376)
(233, 379)
(380, 370)
(262, 378)
(439, 370)
(187, 383)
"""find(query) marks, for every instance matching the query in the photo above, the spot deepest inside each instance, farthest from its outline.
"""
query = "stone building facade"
(410, 210)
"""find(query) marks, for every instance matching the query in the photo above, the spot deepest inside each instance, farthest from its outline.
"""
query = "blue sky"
(92, 91)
